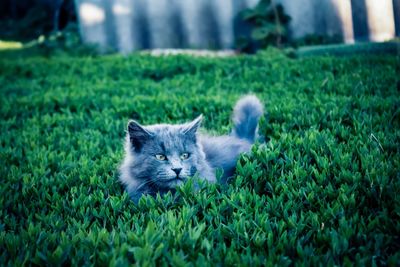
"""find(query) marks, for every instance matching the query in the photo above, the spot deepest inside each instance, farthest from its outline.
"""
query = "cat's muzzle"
(176, 181)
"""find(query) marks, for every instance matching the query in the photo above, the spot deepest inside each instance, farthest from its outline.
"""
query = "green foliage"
(63, 43)
(268, 26)
(36, 22)
(24, 20)
(323, 191)
(66, 42)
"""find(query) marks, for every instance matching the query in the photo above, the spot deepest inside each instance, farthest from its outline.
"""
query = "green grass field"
(324, 190)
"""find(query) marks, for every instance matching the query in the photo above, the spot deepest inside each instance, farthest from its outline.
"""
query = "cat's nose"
(177, 170)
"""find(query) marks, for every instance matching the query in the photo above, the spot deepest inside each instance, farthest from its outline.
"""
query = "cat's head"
(165, 155)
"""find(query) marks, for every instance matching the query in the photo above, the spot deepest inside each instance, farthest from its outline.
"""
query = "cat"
(160, 157)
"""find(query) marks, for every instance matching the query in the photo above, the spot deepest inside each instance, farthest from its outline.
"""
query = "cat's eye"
(185, 156)
(161, 157)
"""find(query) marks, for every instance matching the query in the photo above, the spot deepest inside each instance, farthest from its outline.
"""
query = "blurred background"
(28, 19)
(239, 25)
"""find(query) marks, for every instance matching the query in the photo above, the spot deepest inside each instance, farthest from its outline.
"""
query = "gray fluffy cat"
(160, 157)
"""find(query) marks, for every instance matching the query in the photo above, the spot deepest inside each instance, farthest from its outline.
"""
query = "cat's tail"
(246, 114)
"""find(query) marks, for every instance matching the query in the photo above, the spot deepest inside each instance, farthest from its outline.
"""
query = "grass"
(324, 190)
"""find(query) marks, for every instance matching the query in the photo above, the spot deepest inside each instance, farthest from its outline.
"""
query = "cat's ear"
(191, 128)
(137, 134)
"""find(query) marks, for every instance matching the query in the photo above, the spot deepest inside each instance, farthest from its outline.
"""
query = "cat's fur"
(142, 173)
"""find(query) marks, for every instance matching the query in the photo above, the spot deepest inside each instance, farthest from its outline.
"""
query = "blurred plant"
(33, 24)
(66, 42)
(25, 20)
(268, 26)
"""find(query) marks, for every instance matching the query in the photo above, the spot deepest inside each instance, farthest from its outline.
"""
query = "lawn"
(323, 190)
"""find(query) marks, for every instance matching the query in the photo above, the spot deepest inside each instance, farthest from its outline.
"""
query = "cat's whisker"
(145, 183)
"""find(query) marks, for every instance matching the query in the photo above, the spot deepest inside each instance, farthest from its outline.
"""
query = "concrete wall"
(322, 17)
(129, 25)
(373, 19)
